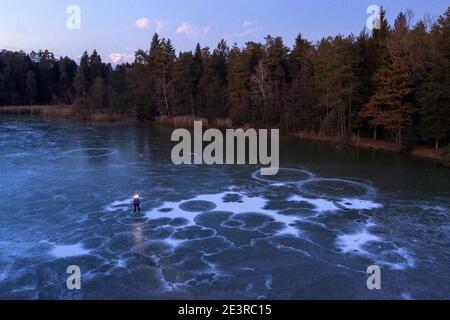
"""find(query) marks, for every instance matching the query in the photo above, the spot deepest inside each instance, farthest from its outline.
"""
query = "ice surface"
(206, 232)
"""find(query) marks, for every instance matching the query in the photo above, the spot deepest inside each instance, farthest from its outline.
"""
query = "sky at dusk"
(117, 28)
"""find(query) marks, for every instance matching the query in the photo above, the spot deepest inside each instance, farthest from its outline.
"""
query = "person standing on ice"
(137, 203)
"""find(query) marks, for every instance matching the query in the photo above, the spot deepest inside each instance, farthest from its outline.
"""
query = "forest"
(392, 83)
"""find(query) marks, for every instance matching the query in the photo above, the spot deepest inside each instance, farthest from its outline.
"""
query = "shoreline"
(64, 112)
(67, 112)
(420, 152)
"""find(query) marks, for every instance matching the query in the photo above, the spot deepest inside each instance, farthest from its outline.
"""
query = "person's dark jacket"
(137, 202)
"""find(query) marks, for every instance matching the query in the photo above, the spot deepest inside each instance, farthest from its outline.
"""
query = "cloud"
(120, 58)
(146, 23)
(143, 23)
(191, 30)
(160, 25)
(206, 29)
(247, 24)
(248, 28)
(187, 29)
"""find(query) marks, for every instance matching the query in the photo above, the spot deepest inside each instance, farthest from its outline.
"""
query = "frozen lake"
(310, 232)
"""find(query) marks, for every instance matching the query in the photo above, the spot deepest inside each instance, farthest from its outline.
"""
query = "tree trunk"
(166, 102)
(437, 144)
(350, 107)
(375, 133)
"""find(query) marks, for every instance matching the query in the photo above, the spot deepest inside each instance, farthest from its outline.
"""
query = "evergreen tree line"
(391, 83)
(36, 78)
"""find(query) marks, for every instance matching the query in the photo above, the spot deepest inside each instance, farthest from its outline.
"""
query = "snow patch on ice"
(357, 204)
(69, 251)
(354, 243)
(320, 205)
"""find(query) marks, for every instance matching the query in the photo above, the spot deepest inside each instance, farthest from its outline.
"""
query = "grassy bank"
(188, 122)
(64, 111)
(46, 111)
(423, 152)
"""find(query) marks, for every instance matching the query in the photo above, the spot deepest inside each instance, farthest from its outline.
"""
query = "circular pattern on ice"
(86, 153)
(198, 206)
(335, 188)
(285, 175)
(233, 223)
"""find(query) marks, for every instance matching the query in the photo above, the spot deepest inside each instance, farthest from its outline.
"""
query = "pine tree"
(47, 75)
(31, 88)
(277, 64)
(390, 106)
(98, 95)
(165, 79)
(261, 93)
(121, 92)
(82, 79)
(300, 98)
(184, 85)
(214, 82)
(238, 81)
(434, 92)
(95, 66)
(67, 73)
(197, 72)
